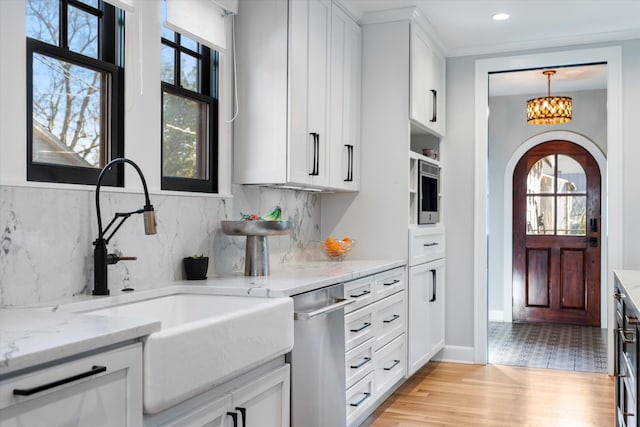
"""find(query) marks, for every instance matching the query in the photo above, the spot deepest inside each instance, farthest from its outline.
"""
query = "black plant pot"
(196, 268)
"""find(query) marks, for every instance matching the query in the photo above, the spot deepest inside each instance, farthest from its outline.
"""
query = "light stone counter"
(31, 336)
(630, 281)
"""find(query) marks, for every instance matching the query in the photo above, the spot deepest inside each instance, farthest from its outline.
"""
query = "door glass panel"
(572, 215)
(571, 176)
(541, 176)
(540, 215)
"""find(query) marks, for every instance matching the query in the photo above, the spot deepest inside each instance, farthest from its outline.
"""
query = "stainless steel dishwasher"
(317, 359)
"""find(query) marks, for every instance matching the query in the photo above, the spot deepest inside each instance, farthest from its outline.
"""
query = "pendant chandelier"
(549, 110)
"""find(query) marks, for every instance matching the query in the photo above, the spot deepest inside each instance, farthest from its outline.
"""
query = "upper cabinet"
(427, 84)
(298, 77)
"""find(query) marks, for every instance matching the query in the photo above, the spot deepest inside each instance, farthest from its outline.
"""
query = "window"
(189, 114)
(557, 197)
(75, 90)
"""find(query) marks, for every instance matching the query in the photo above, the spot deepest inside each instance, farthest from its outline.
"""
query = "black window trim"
(208, 93)
(209, 185)
(107, 49)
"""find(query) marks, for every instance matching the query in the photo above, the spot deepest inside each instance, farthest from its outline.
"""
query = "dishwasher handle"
(339, 303)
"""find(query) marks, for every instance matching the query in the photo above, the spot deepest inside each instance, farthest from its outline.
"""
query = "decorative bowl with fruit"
(337, 249)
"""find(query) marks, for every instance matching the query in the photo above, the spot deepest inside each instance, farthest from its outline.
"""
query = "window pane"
(82, 32)
(541, 176)
(93, 3)
(43, 17)
(167, 59)
(572, 215)
(184, 137)
(188, 43)
(540, 211)
(188, 72)
(571, 176)
(67, 113)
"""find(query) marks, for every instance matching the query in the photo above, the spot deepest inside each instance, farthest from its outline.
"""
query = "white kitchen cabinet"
(426, 318)
(427, 92)
(344, 112)
(100, 390)
(283, 135)
(259, 402)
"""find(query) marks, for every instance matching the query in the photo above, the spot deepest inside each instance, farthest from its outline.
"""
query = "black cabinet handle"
(361, 294)
(243, 415)
(29, 391)
(426, 245)
(359, 402)
(434, 117)
(316, 153)
(361, 364)
(395, 363)
(349, 162)
(433, 281)
(393, 282)
(394, 317)
(364, 326)
(234, 417)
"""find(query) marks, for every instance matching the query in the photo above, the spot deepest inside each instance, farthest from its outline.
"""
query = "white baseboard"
(456, 353)
(496, 316)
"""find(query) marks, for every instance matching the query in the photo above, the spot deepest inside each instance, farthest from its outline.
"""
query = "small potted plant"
(195, 267)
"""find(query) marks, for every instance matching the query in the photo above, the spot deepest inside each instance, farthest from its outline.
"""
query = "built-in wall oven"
(428, 193)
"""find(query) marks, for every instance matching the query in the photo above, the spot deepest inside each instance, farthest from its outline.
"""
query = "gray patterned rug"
(564, 347)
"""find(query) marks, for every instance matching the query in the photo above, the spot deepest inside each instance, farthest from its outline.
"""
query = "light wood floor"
(452, 394)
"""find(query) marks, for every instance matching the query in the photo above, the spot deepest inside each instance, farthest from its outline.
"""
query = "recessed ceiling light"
(500, 16)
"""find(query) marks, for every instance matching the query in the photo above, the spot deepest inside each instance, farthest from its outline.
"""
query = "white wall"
(459, 180)
(47, 230)
(508, 129)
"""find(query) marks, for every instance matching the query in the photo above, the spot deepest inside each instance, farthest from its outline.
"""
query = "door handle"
(243, 415)
(306, 315)
(434, 117)
(433, 282)
(593, 225)
(29, 391)
(316, 153)
(593, 242)
(234, 417)
(349, 177)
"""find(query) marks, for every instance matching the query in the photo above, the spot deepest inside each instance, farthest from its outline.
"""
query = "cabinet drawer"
(389, 318)
(389, 283)
(426, 244)
(359, 362)
(358, 326)
(390, 365)
(69, 393)
(362, 290)
(359, 398)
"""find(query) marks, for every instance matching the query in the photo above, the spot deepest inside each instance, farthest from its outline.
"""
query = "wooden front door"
(556, 235)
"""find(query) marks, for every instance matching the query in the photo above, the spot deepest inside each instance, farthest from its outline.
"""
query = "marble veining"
(46, 242)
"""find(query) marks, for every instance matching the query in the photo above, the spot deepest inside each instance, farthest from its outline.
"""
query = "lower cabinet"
(375, 342)
(626, 352)
(426, 313)
(100, 390)
(259, 402)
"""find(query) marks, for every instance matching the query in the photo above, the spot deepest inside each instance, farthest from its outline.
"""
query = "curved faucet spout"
(100, 256)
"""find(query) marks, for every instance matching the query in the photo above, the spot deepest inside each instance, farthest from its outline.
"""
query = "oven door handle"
(339, 303)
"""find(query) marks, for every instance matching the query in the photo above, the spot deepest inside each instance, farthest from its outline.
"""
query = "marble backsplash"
(46, 251)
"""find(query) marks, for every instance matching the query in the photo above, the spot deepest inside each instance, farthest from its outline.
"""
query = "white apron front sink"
(204, 340)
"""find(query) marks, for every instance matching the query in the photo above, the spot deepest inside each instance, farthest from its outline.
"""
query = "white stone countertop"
(31, 336)
(630, 281)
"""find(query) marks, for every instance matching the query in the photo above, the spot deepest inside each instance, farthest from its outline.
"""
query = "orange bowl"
(335, 249)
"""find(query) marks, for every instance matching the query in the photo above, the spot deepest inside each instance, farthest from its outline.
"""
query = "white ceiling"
(465, 27)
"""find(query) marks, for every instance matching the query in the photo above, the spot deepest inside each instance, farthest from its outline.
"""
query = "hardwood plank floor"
(453, 394)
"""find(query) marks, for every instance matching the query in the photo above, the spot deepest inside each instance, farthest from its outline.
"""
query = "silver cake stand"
(256, 261)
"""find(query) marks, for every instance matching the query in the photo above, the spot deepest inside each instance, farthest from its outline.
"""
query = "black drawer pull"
(393, 282)
(395, 363)
(394, 317)
(234, 417)
(29, 391)
(364, 326)
(359, 402)
(361, 294)
(361, 364)
(430, 244)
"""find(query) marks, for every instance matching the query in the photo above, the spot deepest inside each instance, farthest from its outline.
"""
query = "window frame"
(208, 90)
(111, 62)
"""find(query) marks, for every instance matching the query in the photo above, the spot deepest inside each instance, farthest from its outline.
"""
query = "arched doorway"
(556, 235)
